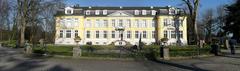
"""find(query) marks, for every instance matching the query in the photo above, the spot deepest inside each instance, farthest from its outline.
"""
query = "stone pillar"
(28, 50)
(77, 52)
(227, 44)
(166, 53)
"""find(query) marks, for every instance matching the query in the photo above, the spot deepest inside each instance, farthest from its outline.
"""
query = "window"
(113, 34)
(113, 22)
(173, 34)
(171, 11)
(97, 12)
(180, 22)
(120, 22)
(153, 23)
(137, 23)
(97, 34)
(181, 34)
(61, 33)
(104, 12)
(128, 34)
(128, 23)
(136, 12)
(88, 34)
(154, 12)
(76, 22)
(153, 34)
(144, 12)
(172, 22)
(88, 12)
(136, 34)
(69, 11)
(68, 34)
(105, 22)
(97, 23)
(76, 33)
(88, 23)
(165, 34)
(165, 22)
(144, 34)
(105, 34)
(144, 23)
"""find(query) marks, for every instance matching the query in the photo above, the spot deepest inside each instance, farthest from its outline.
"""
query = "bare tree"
(208, 21)
(4, 18)
(192, 7)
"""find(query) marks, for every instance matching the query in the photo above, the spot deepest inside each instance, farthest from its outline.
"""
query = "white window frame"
(67, 9)
(97, 34)
(113, 34)
(144, 35)
(136, 34)
(120, 22)
(105, 22)
(88, 34)
(165, 34)
(88, 12)
(105, 34)
(113, 23)
(144, 12)
(97, 23)
(165, 22)
(153, 34)
(97, 12)
(105, 12)
(61, 34)
(136, 12)
(76, 33)
(154, 12)
(173, 34)
(153, 23)
(144, 23)
(128, 34)
(128, 21)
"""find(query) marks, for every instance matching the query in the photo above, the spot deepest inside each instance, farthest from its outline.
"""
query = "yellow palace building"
(97, 25)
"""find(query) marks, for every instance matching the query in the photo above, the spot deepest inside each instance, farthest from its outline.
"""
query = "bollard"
(166, 53)
(0, 44)
(28, 49)
(77, 52)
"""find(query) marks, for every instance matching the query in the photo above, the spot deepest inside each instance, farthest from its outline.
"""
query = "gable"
(120, 14)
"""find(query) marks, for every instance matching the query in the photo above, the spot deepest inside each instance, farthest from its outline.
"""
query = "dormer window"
(171, 11)
(97, 12)
(154, 12)
(136, 12)
(68, 10)
(144, 12)
(104, 12)
(88, 12)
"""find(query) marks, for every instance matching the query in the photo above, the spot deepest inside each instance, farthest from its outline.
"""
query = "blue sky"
(204, 4)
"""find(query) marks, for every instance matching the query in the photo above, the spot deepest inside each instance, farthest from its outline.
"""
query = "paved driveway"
(13, 60)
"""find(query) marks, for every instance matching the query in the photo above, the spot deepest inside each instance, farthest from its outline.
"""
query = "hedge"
(112, 51)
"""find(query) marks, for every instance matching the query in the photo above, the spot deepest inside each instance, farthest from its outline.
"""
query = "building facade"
(97, 25)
